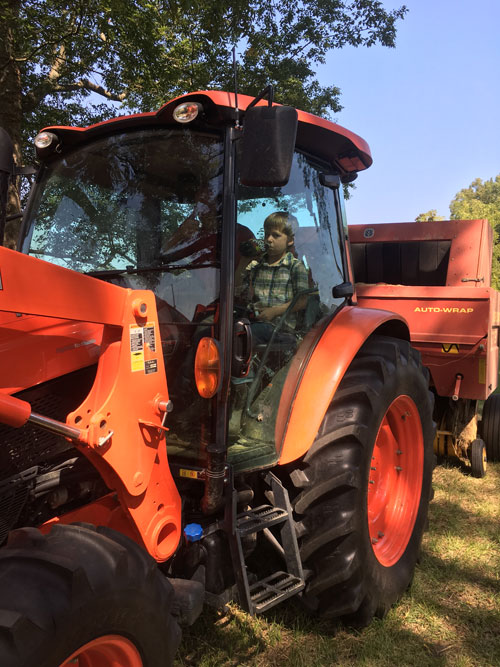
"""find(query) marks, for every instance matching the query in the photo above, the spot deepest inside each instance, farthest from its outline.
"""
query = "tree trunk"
(10, 106)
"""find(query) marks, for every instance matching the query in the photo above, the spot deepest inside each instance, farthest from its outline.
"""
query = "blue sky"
(429, 109)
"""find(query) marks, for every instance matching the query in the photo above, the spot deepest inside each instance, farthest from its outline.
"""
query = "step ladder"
(278, 586)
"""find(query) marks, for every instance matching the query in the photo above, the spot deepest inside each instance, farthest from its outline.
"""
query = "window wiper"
(149, 269)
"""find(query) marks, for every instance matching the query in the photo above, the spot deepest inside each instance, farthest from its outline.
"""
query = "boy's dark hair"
(282, 221)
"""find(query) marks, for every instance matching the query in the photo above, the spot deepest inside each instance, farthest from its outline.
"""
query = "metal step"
(278, 586)
(259, 518)
(274, 589)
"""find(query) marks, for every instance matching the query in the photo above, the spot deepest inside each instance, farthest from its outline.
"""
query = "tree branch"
(87, 84)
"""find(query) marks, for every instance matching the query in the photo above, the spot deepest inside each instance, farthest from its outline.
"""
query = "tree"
(482, 200)
(54, 54)
(430, 216)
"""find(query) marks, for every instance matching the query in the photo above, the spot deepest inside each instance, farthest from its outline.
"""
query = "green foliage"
(141, 53)
(482, 200)
(430, 216)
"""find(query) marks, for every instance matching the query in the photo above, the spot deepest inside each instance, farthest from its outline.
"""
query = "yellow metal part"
(444, 444)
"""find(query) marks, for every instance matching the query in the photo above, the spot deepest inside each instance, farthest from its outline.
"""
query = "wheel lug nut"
(380, 533)
(371, 481)
(398, 468)
(398, 451)
(372, 468)
(374, 540)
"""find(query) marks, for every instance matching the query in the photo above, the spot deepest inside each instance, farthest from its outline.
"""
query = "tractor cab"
(175, 202)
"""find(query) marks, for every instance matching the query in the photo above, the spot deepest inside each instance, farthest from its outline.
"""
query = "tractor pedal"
(259, 518)
(274, 589)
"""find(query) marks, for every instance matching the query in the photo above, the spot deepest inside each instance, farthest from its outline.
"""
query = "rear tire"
(84, 595)
(490, 427)
(359, 528)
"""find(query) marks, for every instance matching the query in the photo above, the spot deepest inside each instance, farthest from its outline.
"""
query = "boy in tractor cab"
(272, 282)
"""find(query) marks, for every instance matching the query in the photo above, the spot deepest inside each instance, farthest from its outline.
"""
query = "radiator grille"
(21, 448)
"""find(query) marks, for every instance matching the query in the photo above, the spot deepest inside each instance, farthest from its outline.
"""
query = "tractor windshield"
(143, 207)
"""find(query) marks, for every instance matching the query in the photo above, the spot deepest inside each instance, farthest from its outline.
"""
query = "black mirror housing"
(267, 145)
(343, 291)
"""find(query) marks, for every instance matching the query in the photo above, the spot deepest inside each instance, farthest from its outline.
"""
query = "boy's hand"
(266, 314)
(270, 313)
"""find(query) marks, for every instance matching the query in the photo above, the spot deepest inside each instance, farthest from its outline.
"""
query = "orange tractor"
(156, 453)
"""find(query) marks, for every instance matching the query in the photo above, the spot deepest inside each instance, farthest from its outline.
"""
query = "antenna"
(235, 74)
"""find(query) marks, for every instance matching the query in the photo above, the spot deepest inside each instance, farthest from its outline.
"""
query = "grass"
(450, 616)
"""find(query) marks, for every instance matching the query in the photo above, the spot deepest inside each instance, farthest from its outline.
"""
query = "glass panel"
(284, 296)
(144, 210)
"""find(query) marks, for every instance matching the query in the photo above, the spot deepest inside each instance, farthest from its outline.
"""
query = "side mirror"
(267, 145)
(331, 181)
(343, 291)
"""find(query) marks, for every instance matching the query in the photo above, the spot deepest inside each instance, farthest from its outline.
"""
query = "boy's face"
(277, 243)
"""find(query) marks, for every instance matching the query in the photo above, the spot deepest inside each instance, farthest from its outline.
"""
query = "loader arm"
(119, 426)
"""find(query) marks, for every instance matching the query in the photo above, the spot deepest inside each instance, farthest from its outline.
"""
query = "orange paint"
(121, 426)
(329, 361)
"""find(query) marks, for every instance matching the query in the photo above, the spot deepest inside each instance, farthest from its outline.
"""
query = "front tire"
(365, 485)
(83, 595)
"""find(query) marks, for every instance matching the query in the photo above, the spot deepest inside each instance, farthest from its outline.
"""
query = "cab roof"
(319, 137)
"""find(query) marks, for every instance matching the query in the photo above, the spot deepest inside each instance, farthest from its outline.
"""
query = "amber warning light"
(207, 368)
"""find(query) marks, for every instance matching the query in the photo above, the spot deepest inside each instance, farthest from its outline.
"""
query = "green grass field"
(450, 616)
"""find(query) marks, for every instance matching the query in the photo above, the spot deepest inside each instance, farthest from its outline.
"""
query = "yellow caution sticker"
(450, 348)
(136, 348)
(192, 474)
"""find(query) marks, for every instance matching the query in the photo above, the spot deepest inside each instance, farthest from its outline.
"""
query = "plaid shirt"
(271, 285)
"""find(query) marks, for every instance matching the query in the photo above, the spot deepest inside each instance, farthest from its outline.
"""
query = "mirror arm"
(269, 92)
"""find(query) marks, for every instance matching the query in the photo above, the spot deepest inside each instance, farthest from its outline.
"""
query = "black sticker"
(149, 337)
(151, 366)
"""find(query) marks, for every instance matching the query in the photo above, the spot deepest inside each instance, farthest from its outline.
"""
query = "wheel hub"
(395, 480)
(107, 651)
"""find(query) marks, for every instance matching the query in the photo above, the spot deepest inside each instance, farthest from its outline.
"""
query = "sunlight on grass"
(450, 617)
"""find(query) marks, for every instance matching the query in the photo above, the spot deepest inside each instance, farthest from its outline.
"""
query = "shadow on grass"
(448, 518)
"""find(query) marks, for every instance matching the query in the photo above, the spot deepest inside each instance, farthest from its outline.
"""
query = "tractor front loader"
(157, 452)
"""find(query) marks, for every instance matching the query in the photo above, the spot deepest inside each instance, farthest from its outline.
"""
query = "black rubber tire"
(478, 455)
(59, 592)
(490, 427)
(344, 578)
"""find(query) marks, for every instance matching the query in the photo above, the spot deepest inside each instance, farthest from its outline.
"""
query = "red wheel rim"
(395, 480)
(107, 651)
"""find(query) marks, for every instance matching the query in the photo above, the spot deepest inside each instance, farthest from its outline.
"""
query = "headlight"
(46, 140)
(187, 111)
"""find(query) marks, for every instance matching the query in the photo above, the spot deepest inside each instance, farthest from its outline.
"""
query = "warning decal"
(450, 348)
(149, 336)
(136, 348)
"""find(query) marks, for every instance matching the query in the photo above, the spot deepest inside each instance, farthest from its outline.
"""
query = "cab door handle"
(242, 348)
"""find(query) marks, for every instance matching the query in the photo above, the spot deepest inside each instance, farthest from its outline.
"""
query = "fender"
(315, 386)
